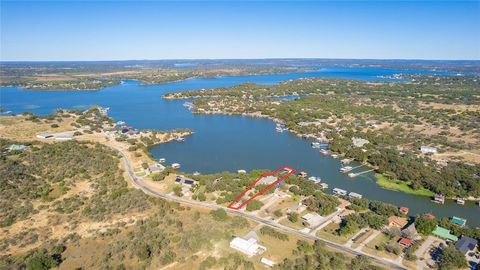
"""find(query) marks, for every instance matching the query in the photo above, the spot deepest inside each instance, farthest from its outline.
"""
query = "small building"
(428, 150)
(247, 246)
(439, 198)
(340, 192)
(458, 221)
(444, 233)
(429, 216)
(63, 137)
(404, 210)
(155, 168)
(395, 221)
(241, 171)
(267, 262)
(405, 242)
(354, 195)
(313, 219)
(16, 147)
(359, 142)
(185, 181)
(176, 165)
(44, 136)
(466, 244)
(302, 174)
(410, 232)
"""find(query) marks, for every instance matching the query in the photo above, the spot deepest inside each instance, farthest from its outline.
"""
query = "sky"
(127, 30)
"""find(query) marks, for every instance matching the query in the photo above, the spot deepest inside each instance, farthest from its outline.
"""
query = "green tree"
(425, 225)
(254, 205)
(451, 258)
(293, 217)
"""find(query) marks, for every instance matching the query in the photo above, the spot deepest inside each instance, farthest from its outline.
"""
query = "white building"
(355, 195)
(44, 136)
(359, 142)
(313, 219)
(63, 137)
(248, 247)
(267, 262)
(338, 191)
(428, 150)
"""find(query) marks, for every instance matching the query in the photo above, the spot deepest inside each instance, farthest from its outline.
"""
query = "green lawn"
(402, 186)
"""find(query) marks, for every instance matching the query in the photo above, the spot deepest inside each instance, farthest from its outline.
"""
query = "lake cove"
(229, 143)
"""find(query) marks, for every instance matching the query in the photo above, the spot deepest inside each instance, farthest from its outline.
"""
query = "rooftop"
(465, 244)
(444, 233)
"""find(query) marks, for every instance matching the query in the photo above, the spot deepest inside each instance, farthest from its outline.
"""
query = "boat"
(315, 145)
(176, 165)
(351, 175)
(279, 129)
(196, 173)
(346, 169)
(323, 151)
(162, 160)
(315, 179)
(188, 105)
(180, 139)
(460, 201)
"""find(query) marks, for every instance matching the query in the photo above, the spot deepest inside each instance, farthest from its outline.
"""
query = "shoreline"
(390, 185)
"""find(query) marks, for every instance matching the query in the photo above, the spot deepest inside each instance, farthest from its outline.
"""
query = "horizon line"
(266, 58)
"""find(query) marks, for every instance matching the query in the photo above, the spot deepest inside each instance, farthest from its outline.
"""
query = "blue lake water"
(228, 143)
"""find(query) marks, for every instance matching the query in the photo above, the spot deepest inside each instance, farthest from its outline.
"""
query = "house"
(187, 182)
(16, 147)
(395, 221)
(404, 210)
(444, 233)
(267, 262)
(155, 168)
(466, 244)
(359, 142)
(44, 136)
(405, 242)
(340, 192)
(428, 150)
(313, 219)
(354, 195)
(247, 246)
(410, 232)
(439, 198)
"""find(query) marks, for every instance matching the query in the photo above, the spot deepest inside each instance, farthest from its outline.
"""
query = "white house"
(313, 219)
(248, 247)
(359, 142)
(44, 136)
(428, 150)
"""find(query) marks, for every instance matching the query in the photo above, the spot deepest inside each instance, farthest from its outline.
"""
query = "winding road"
(136, 182)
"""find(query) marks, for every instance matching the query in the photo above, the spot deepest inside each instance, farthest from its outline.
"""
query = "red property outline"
(292, 171)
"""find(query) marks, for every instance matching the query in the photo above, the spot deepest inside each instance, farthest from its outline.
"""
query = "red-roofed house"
(405, 242)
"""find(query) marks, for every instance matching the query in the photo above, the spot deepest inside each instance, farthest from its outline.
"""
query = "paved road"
(138, 184)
